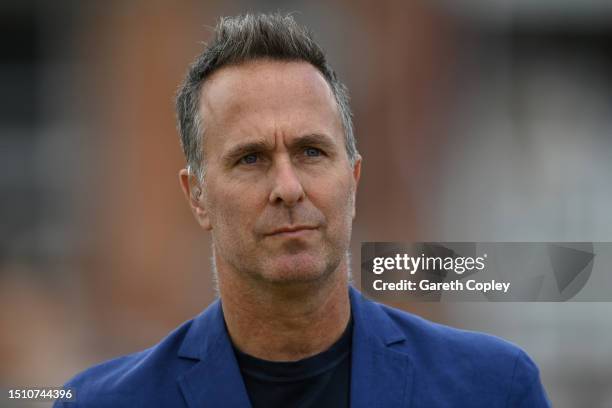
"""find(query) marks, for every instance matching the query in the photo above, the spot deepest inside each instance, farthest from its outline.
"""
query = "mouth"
(292, 231)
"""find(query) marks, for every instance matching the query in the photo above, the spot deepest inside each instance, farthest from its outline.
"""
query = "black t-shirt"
(322, 380)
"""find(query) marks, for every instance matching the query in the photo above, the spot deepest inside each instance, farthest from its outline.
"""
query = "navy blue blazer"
(398, 360)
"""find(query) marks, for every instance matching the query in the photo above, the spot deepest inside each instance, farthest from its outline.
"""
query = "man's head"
(266, 128)
(247, 38)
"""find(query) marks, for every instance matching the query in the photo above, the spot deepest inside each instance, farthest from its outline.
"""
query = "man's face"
(278, 193)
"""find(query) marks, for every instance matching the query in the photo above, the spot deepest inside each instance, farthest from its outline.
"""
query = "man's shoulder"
(127, 380)
(478, 362)
(431, 337)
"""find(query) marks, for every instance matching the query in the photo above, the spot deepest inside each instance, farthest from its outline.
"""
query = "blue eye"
(249, 159)
(312, 152)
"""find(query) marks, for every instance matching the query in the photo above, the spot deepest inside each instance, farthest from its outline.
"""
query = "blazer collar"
(215, 381)
(380, 375)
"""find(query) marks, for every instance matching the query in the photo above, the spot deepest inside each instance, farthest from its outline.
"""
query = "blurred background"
(478, 120)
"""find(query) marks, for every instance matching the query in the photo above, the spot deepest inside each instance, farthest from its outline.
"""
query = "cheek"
(232, 210)
(335, 199)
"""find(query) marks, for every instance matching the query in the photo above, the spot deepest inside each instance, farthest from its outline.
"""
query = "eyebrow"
(242, 149)
(316, 140)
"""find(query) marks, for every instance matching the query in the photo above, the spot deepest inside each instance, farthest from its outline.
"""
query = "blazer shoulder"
(127, 380)
(465, 365)
(438, 338)
(470, 360)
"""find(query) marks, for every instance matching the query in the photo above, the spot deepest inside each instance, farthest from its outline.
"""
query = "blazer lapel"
(380, 375)
(215, 381)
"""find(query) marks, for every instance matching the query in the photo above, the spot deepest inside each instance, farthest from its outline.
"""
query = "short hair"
(246, 38)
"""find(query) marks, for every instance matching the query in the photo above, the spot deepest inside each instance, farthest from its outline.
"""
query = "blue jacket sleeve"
(527, 390)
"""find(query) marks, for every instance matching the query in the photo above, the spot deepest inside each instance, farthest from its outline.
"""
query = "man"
(272, 172)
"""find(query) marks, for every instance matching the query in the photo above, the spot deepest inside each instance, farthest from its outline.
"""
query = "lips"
(292, 230)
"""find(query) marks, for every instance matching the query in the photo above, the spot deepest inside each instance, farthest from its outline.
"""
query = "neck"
(284, 322)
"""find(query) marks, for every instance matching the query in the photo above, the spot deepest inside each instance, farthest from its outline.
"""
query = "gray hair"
(246, 38)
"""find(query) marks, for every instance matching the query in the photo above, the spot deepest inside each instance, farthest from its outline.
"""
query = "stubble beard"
(298, 271)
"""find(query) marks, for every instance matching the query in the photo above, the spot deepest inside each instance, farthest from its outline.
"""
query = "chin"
(302, 268)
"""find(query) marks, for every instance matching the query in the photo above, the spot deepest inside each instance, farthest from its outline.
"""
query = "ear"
(195, 197)
(356, 177)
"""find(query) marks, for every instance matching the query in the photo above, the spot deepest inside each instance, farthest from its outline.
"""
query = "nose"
(287, 188)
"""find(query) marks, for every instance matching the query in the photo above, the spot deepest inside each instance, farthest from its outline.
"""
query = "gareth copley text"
(455, 285)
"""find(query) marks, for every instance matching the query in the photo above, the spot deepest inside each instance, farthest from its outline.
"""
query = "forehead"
(264, 98)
